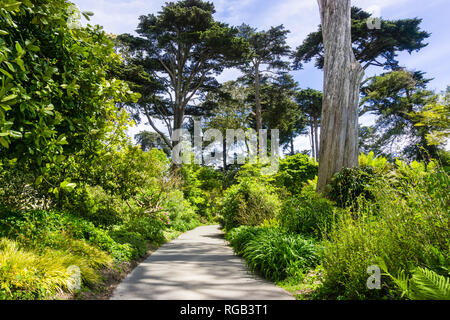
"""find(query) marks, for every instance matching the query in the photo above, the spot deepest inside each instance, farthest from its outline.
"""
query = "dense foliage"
(394, 216)
(307, 213)
(248, 204)
(406, 226)
(78, 198)
(74, 191)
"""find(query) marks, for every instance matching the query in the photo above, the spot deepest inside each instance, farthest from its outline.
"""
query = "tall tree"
(230, 111)
(310, 103)
(342, 79)
(395, 98)
(377, 47)
(344, 53)
(267, 50)
(279, 110)
(151, 140)
(184, 48)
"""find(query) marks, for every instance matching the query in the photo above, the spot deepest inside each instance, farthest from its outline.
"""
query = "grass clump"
(274, 254)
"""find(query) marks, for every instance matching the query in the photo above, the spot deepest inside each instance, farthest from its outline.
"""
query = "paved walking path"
(198, 265)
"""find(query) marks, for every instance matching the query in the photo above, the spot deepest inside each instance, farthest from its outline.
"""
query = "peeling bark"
(342, 79)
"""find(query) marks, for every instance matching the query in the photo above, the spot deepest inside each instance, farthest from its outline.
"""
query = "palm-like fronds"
(428, 285)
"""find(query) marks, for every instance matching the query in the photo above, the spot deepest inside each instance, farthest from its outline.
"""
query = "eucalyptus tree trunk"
(342, 79)
(313, 150)
(258, 113)
(316, 138)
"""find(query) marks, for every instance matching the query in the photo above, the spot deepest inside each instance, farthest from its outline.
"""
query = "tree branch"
(163, 136)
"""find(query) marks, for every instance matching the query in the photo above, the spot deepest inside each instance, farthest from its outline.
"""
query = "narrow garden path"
(198, 265)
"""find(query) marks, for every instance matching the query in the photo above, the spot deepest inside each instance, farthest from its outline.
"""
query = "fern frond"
(428, 285)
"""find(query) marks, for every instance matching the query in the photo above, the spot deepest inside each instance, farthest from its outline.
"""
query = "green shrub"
(181, 213)
(351, 183)
(133, 239)
(248, 203)
(240, 236)
(202, 186)
(273, 253)
(295, 171)
(149, 228)
(37, 227)
(17, 191)
(378, 164)
(96, 205)
(186, 221)
(137, 233)
(405, 227)
(307, 213)
(254, 172)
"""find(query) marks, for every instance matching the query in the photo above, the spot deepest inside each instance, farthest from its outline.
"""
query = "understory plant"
(274, 253)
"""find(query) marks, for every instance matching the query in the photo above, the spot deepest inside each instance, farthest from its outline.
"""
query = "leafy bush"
(181, 213)
(307, 213)
(39, 229)
(295, 171)
(135, 240)
(17, 191)
(202, 186)
(149, 228)
(137, 233)
(240, 236)
(273, 253)
(42, 115)
(351, 183)
(378, 164)
(253, 171)
(97, 206)
(248, 203)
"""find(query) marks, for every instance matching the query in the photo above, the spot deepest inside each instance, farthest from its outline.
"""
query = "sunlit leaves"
(56, 97)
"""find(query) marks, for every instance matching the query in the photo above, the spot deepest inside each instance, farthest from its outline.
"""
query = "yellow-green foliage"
(379, 164)
(31, 273)
(437, 116)
(27, 275)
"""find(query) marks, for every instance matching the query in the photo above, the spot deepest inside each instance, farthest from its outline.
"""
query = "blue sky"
(301, 17)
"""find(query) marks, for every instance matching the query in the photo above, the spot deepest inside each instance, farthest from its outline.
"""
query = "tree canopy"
(183, 48)
(372, 46)
(393, 97)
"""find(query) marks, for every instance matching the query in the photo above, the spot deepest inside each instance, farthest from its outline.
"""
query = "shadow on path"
(198, 265)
